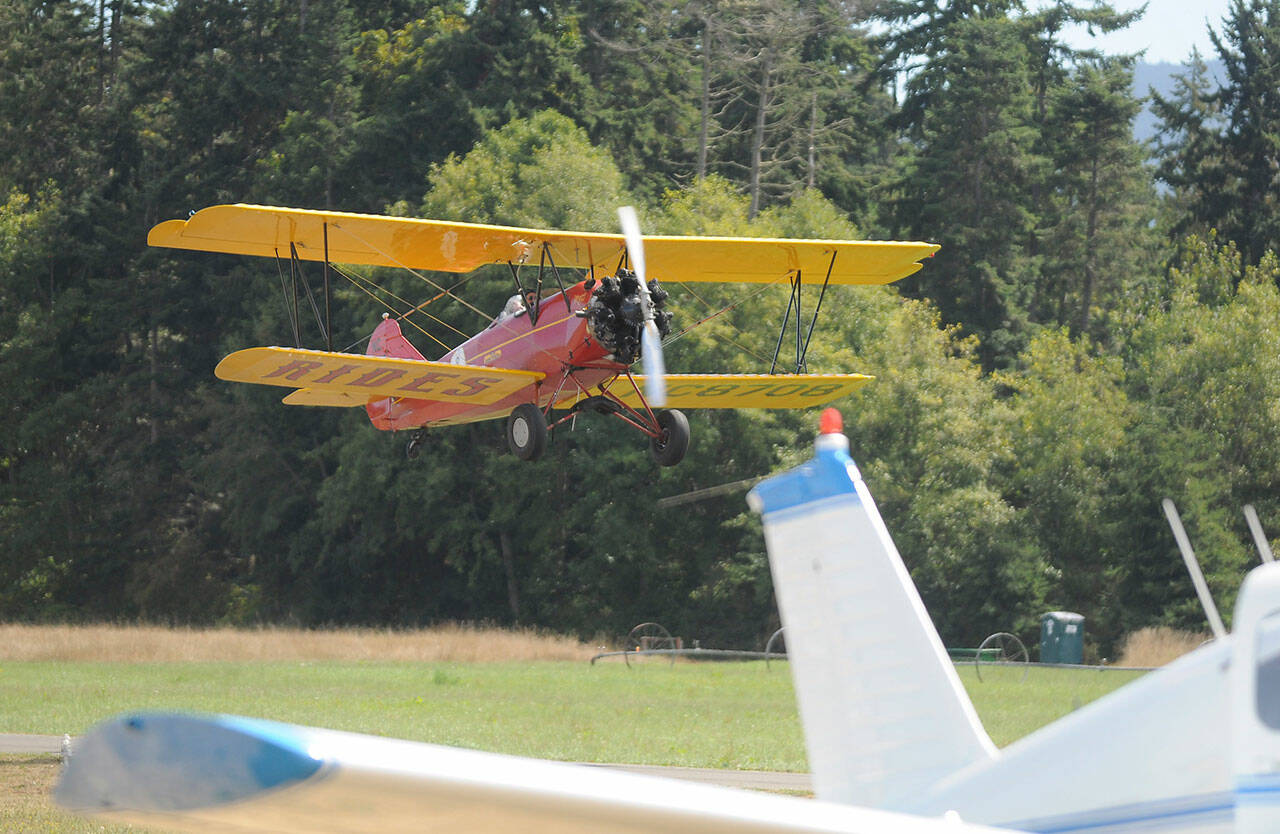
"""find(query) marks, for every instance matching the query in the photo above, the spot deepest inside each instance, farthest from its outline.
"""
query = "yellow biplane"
(548, 355)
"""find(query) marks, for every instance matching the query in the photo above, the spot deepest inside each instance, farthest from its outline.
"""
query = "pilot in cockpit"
(516, 305)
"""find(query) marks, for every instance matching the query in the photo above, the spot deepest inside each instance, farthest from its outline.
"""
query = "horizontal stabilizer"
(742, 390)
(223, 773)
(413, 243)
(326, 399)
(364, 377)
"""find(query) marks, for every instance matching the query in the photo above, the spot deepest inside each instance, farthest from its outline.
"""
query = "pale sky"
(1168, 30)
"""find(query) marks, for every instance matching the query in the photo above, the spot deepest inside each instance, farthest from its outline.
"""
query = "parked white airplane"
(1192, 747)
(894, 743)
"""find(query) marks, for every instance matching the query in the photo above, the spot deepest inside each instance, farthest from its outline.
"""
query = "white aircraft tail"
(885, 715)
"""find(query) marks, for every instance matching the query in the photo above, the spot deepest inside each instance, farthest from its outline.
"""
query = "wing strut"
(296, 272)
(292, 302)
(546, 253)
(532, 308)
(328, 323)
(291, 310)
(817, 307)
(544, 259)
(802, 345)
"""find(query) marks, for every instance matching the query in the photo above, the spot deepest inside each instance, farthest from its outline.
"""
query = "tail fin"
(387, 340)
(885, 715)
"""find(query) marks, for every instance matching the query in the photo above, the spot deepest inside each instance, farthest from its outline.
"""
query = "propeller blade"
(655, 371)
(635, 244)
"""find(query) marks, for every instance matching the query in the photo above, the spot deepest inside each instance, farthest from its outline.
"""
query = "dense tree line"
(1098, 331)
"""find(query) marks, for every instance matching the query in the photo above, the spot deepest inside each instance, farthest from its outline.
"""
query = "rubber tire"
(527, 432)
(670, 449)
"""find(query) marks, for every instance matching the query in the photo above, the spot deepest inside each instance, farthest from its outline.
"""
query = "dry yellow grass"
(1157, 646)
(153, 644)
(26, 801)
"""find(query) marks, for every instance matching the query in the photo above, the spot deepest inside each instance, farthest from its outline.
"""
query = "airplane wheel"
(668, 449)
(527, 432)
(414, 447)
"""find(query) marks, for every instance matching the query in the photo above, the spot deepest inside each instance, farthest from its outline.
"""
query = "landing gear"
(669, 446)
(527, 432)
(667, 430)
(414, 447)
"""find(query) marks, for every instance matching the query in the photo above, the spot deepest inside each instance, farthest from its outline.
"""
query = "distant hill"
(1161, 78)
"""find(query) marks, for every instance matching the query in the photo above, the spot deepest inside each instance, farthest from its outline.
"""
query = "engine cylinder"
(615, 314)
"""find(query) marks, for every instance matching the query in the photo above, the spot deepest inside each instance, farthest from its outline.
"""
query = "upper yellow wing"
(461, 247)
(345, 379)
(741, 390)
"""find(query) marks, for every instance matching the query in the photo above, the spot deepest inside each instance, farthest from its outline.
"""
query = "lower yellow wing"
(742, 390)
(327, 399)
(352, 379)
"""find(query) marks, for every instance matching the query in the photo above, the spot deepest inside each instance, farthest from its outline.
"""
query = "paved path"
(20, 743)
(760, 780)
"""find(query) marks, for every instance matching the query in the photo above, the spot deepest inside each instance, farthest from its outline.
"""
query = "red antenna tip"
(831, 422)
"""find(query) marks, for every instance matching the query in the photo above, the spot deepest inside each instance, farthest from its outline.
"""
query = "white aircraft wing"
(229, 774)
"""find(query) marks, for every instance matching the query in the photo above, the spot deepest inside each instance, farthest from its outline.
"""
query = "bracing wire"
(284, 290)
(420, 276)
(383, 302)
(699, 298)
(442, 294)
(721, 312)
(360, 282)
(717, 313)
(354, 278)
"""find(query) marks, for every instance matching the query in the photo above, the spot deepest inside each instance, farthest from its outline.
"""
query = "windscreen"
(1268, 665)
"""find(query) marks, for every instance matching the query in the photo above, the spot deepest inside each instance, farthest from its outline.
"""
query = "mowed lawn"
(725, 715)
(705, 715)
(722, 715)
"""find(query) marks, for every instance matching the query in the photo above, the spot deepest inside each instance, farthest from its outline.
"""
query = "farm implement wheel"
(1001, 649)
(649, 637)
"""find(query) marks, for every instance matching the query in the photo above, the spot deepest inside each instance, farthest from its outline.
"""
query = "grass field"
(723, 715)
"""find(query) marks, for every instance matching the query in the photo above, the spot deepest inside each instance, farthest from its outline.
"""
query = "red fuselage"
(556, 343)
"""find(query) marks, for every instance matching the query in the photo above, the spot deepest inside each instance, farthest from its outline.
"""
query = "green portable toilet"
(1062, 637)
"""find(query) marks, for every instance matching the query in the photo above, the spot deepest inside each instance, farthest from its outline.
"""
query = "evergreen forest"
(1100, 329)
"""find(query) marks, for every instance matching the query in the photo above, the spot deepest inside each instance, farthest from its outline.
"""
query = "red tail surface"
(387, 340)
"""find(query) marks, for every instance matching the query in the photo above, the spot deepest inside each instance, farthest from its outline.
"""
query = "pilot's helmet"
(515, 306)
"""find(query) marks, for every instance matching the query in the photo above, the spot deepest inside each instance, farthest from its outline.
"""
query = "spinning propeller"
(655, 374)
